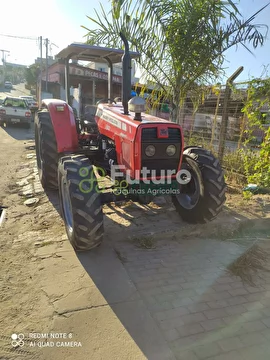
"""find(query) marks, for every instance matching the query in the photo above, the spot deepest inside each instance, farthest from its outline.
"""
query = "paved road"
(18, 90)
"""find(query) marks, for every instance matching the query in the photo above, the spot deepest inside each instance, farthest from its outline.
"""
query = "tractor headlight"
(171, 150)
(150, 150)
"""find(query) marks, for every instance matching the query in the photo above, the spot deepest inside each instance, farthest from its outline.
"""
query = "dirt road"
(156, 288)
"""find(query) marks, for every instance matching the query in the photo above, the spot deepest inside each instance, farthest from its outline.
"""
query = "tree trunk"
(177, 113)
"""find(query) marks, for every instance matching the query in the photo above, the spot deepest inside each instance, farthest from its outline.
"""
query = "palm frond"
(182, 42)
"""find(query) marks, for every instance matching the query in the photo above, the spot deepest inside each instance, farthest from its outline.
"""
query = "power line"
(31, 38)
(20, 37)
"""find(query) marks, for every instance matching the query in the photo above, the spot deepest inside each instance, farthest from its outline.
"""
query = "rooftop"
(84, 52)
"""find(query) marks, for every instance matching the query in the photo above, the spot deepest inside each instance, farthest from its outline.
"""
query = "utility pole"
(40, 73)
(46, 45)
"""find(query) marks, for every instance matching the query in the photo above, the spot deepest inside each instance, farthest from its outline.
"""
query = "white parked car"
(15, 110)
(33, 105)
(8, 85)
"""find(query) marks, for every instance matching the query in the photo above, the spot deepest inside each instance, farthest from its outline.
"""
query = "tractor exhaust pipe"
(126, 75)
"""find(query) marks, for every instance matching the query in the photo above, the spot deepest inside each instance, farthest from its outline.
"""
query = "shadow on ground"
(158, 273)
(152, 249)
(18, 132)
(53, 197)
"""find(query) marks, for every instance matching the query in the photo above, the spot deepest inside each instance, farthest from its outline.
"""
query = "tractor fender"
(64, 124)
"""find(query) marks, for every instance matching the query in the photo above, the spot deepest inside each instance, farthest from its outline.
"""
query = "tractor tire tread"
(87, 220)
(214, 187)
(48, 149)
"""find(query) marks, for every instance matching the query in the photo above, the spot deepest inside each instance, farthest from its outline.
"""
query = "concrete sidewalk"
(95, 300)
(175, 301)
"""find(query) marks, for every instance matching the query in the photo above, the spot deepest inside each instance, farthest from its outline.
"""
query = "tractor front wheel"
(202, 198)
(80, 202)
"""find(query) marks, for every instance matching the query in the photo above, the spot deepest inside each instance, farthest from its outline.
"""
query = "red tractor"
(143, 155)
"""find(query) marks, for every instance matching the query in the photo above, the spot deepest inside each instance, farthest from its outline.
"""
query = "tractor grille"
(161, 161)
(159, 165)
(150, 135)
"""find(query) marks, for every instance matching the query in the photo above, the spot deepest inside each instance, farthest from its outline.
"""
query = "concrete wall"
(46, 95)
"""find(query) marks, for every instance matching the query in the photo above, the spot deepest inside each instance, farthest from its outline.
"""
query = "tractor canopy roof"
(84, 52)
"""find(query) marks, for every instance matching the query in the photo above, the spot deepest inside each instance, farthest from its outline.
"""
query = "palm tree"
(181, 42)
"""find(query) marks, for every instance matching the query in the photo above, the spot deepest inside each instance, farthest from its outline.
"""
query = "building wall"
(117, 69)
(51, 61)
(56, 70)
(84, 76)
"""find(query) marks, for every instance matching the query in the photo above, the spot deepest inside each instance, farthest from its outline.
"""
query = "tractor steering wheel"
(104, 101)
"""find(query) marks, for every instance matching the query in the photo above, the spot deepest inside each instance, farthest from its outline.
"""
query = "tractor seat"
(89, 113)
(88, 117)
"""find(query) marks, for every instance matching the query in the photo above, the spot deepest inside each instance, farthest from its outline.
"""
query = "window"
(11, 102)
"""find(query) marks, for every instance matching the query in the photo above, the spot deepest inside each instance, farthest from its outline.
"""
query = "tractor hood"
(116, 112)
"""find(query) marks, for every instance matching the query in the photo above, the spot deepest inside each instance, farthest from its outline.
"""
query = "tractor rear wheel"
(80, 202)
(202, 198)
(46, 150)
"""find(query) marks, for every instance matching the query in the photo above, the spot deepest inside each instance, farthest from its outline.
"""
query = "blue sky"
(60, 21)
(253, 64)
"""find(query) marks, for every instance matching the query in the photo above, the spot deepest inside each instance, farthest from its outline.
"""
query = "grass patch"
(145, 242)
(241, 232)
(251, 263)
(254, 227)
(247, 195)
(238, 163)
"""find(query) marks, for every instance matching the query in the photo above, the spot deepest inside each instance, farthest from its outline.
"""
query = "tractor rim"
(66, 205)
(189, 194)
